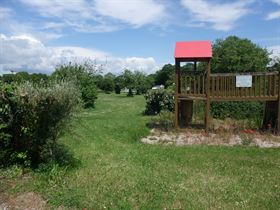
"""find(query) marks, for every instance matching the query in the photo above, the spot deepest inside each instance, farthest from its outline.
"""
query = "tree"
(119, 84)
(238, 55)
(165, 76)
(275, 64)
(108, 83)
(129, 81)
(82, 76)
(142, 84)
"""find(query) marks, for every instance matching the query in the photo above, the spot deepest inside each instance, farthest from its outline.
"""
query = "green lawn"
(119, 172)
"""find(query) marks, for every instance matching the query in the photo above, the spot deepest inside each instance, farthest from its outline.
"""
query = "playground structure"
(202, 85)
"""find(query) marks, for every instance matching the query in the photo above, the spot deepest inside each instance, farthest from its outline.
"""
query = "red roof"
(194, 50)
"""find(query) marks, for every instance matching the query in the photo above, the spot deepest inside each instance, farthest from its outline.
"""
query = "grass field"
(116, 171)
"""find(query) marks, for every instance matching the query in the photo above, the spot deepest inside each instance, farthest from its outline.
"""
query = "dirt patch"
(227, 139)
(24, 201)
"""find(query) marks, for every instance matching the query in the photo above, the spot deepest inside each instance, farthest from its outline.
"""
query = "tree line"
(232, 54)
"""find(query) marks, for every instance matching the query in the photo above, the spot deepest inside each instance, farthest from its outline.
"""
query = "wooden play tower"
(202, 85)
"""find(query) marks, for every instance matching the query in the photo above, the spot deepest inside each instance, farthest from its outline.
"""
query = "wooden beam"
(207, 102)
(278, 110)
(177, 83)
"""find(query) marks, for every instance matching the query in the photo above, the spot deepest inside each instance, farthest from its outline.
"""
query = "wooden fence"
(225, 87)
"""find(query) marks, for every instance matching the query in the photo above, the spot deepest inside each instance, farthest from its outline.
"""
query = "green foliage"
(275, 64)
(108, 83)
(21, 77)
(82, 75)
(157, 101)
(142, 83)
(129, 81)
(238, 55)
(31, 119)
(237, 110)
(117, 89)
(165, 76)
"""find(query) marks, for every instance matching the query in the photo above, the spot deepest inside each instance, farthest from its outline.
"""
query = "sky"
(39, 35)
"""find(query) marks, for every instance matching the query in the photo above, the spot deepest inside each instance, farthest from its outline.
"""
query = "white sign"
(244, 81)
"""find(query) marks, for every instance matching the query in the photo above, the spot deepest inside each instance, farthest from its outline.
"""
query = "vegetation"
(31, 119)
(238, 55)
(234, 54)
(82, 76)
(22, 76)
(119, 172)
(158, 101)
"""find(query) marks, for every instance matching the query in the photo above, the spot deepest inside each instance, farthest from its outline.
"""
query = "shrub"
(237, 110)
(82, 77)
(31, 119)
(157, 101)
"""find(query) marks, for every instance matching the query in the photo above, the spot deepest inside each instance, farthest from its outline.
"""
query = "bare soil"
(196, 137)
(24, 201)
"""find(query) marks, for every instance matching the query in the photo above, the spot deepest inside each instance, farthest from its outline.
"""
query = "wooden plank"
(203, 91)
(212, 79)
(177, 79)
(274, 85)
(198, 88)
(207, 103)
(278, 111)
(269, 85)
(194, 85)
(222, 86)
(260, 86)
(273, 98)
(218, 86)
(255, 85)
(246, 73)
(234, 86)
(264, 86)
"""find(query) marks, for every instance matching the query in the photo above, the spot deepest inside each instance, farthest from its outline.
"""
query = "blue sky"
(37, 35)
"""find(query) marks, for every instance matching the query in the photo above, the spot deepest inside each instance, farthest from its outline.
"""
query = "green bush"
(237, 110)
(31, 119)
(82, 77)
(157, 101)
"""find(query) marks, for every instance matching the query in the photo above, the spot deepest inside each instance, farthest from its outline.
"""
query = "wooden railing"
(263, 86)
(193, 83)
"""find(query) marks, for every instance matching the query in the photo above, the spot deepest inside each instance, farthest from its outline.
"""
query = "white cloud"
(276, 1)
(147, 65)
(8, 24)
(220, 16)
(98, 16)
(275, 14)
(64, 9)
(5, 12)
(275, 51)
(136, 12)
(27, 53)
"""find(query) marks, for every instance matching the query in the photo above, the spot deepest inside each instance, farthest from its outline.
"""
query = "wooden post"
(207, 103)
(278, 109)
(177, 83)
